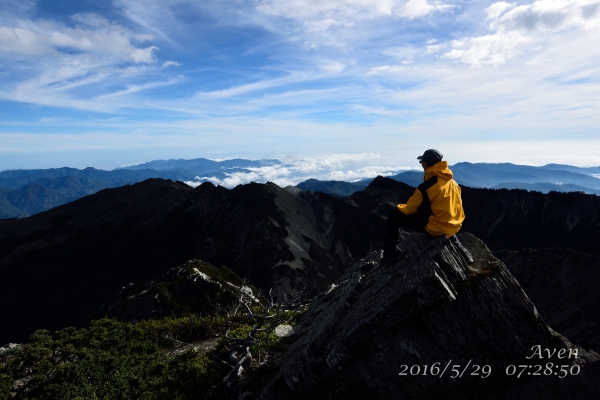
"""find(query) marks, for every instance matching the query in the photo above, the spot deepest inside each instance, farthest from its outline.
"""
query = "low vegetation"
(150, 359)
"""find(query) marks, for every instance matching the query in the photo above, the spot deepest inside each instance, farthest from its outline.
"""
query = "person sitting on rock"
(435, 208)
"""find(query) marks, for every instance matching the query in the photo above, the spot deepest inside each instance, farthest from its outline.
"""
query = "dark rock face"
(283, 237)
(563, 284)
(428, 307)
(513, 219)
(57, 267)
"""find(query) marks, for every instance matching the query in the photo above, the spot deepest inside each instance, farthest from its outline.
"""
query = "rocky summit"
(195, 287)
(430, 326)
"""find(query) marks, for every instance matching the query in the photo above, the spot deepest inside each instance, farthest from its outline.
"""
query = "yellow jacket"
(438, 200)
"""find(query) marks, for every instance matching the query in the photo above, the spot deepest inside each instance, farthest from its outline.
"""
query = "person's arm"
(411, 205)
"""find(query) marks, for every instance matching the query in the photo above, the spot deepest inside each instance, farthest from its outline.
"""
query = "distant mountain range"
(28, 192)
(551, 177)
(201, 166)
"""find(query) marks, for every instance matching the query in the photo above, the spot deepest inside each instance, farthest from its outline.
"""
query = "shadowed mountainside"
(57, 267)
(564, 286)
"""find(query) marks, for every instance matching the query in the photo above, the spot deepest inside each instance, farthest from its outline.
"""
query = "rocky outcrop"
(195, 287)
(563, 285)
(373, 334)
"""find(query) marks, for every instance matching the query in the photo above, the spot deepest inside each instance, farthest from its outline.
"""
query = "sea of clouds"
(293, 170)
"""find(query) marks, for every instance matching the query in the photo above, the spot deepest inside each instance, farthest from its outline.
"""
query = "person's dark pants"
(397, 219)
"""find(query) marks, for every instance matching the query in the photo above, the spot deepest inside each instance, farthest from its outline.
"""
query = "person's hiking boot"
(404, 233)
(390, 255)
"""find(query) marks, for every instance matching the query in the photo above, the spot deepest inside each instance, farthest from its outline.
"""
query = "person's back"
(434, 208)
(445, 203)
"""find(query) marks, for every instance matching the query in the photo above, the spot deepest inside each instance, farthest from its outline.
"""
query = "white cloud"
(487, 50)
(333, 67)
(92, 52)
(309, 9)
(372, 79)
(346, 11)
(340, 167)
(95, 35)
(495, 9)
(138, 88)
(518, 29)
(421, 8)
(435, 48)
(170, 63)
(386, 68)
(549, 15)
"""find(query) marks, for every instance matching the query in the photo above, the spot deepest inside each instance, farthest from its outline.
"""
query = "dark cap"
(431, 156)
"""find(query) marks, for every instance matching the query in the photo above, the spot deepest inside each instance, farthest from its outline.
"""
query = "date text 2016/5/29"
(453, 371)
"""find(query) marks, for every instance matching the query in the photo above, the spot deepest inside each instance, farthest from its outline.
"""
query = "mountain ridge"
(62, 185)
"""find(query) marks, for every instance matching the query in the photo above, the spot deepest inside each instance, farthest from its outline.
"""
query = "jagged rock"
(195, 287)
(428, 307)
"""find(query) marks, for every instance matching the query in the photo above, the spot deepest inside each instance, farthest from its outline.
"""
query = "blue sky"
(110, 83)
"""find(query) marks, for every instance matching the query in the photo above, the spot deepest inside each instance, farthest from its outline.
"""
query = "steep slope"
(374, 334)
(57, 267)
(563, 284)
(513, 219)
(287, 238)
(8, 210)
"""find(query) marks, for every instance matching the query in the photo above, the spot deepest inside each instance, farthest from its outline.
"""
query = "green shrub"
(6, 382)
(108, 360)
